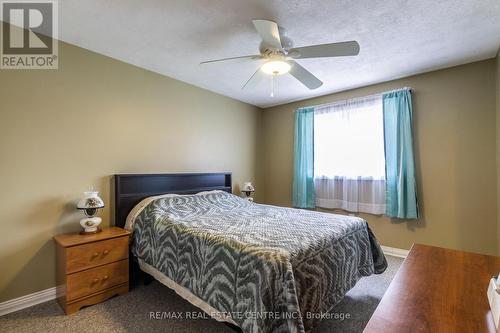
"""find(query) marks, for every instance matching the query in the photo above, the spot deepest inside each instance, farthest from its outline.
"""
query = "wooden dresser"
(91, 268)
(437, 290)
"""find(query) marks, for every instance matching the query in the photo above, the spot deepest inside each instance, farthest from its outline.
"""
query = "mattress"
(264, 268)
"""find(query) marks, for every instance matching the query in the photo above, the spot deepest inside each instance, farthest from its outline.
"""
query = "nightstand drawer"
(94, 254)
(96, 279)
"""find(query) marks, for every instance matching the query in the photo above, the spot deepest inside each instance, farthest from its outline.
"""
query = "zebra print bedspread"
(270, 269)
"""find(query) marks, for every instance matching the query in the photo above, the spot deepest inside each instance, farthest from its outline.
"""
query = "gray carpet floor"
(131, 312)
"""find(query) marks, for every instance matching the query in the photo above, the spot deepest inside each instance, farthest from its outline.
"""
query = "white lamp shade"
(248, 187)
(90, 200)
(276, 67)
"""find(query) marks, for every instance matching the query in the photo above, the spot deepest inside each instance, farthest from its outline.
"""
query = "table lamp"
(248, 189)
(90, 203)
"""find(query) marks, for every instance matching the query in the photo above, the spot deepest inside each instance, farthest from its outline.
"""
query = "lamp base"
(90, 225)
(83, 232)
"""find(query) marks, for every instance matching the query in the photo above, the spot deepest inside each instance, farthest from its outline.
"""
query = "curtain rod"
(354, 98)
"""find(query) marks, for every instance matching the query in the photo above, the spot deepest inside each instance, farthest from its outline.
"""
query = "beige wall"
(454, 120)
(64, 130)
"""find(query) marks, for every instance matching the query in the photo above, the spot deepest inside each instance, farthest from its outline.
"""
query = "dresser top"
(437, 290)
(74, 238)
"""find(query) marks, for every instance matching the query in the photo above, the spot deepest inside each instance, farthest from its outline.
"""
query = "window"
(357, 155)
(349, 163)
(349, 140)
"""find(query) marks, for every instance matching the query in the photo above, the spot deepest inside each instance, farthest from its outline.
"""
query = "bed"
(262, 268)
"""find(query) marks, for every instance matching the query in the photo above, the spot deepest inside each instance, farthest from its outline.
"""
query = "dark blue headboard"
(130, 189)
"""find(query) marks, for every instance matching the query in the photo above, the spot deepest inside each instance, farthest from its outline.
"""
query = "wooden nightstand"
(91, 268)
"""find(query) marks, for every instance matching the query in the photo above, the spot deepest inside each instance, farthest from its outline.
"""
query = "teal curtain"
(303, 164)
(401, 193)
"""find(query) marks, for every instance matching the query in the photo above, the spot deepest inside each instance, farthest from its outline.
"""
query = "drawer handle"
(105, 252)
(104, 278)
(96, 254)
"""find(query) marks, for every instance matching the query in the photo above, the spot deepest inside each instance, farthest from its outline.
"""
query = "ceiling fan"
(277, 50)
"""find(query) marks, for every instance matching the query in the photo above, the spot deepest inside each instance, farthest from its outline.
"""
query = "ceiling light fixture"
(276, 67)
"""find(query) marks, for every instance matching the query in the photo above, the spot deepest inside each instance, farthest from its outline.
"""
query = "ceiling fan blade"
(325, 50)
(304, 76)
(269, 32)
(254, 80)
(234, 59)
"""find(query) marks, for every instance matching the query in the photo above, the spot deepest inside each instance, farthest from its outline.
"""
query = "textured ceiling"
(397, 38)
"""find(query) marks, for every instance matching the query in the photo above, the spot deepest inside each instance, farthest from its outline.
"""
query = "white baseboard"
(27, 301)
(395, 252)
